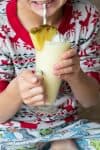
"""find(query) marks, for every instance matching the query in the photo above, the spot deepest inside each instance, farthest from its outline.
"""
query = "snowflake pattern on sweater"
(81, 27)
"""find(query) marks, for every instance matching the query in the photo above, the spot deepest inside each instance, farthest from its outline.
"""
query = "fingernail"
(34, 79)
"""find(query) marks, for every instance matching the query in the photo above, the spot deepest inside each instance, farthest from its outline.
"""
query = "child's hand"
(31, 88)
(68, 67)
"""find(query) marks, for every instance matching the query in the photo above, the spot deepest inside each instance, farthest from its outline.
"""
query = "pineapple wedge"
(40, 35)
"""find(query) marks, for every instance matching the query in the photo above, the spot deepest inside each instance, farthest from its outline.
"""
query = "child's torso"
(17, 45)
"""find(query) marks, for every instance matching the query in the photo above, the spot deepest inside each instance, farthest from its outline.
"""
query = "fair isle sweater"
(80, 25)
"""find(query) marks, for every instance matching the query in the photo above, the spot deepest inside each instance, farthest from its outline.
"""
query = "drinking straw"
(44, 14)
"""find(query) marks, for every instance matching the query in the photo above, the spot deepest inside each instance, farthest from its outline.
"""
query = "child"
(79, 69)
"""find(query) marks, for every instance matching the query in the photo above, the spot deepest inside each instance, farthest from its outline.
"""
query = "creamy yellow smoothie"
(49, 45)
(45, 60)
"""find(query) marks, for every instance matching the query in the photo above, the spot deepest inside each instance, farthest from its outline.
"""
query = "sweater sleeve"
(89, 47)
(6, 65)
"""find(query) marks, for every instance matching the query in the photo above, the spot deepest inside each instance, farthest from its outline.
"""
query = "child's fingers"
(35, 100)
(29, 76)
(68, 54)
(64, 70)
(32, 92)
(64, 63)
(29, 79)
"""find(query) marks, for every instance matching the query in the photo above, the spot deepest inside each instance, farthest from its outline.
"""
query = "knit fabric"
(80, 25)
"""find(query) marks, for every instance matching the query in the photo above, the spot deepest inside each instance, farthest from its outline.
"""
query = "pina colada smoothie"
(48, 53)
(49, 45)
(45, 60)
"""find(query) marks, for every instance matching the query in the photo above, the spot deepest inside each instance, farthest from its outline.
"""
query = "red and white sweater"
(80, 25)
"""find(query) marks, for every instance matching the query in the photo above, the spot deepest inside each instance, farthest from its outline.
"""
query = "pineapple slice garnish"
(40, 35)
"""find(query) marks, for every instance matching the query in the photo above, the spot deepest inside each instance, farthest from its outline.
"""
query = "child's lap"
(82, 144)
